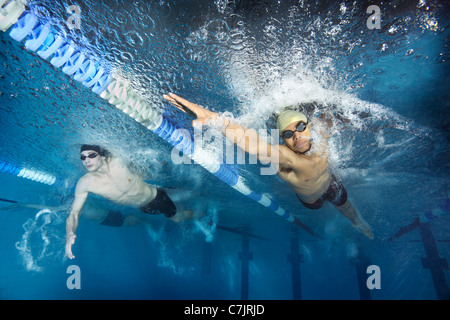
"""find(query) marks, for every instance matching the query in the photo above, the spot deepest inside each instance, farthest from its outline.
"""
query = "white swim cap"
(287, 117)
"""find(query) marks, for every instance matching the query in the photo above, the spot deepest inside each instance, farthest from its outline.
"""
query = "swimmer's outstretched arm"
(81, 194)
(245, 138)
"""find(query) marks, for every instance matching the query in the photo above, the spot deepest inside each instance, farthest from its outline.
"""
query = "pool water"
(387, 89)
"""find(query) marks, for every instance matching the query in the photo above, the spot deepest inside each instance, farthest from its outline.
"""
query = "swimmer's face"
(300, 141)
(92, 160)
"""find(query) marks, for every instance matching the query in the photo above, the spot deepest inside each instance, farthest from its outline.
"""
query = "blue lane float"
(29, 174)
(86, 69)
(63, 53)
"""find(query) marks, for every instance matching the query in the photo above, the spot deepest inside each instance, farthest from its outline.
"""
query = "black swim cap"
(95, 148)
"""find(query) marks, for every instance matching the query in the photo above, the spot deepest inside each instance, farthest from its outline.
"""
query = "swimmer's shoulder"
(116, 163)
(289, 160)
(84, 183)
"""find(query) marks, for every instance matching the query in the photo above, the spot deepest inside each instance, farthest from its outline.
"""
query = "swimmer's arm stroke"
(245, 138)
(81, 194)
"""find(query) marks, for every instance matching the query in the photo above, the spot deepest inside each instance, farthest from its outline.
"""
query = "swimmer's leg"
(92, 213)
(350, 213)
(132, 220)
(182, 215)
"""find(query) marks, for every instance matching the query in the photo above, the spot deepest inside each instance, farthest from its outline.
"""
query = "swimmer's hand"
(203, 115)
(70, 240)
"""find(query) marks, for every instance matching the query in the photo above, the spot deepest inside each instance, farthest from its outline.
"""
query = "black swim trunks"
(336, 194)
(162, 204)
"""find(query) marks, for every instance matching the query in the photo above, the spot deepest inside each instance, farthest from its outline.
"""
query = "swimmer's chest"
(116, 184)
(306, 170)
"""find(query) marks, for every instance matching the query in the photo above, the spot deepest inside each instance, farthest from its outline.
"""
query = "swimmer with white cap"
(304, 171)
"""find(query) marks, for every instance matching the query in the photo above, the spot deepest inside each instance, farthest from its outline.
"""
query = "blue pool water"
(249, 58)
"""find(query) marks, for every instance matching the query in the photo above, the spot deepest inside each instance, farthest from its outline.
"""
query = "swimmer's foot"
(183, 215)
(363, 228)
(189, 214)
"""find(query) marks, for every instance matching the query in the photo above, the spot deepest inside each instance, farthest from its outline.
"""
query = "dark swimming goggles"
(300, 128)
(90, 156)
